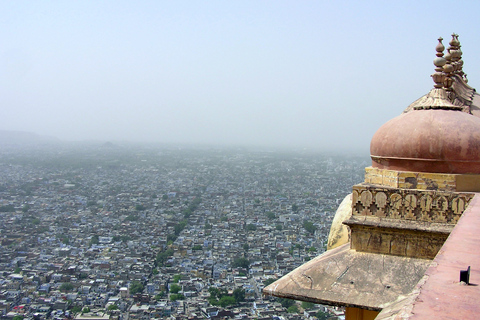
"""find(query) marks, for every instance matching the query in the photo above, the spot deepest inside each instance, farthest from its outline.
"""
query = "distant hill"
(12, 138)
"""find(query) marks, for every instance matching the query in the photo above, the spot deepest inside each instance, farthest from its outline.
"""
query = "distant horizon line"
(16, 135)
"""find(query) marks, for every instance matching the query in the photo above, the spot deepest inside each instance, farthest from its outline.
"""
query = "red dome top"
(435, 140)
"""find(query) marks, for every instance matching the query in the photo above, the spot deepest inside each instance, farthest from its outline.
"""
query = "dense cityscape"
(143, 232)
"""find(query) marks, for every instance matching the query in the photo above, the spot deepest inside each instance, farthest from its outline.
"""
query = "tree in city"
(66, 286)
(94, 240)
(220, 297)
(177, 296)
(322, 315)
(112, 307)
(239, 295)
(270, 215)
(216, 292)
(241, 263)
(192, 207)
(309, 226)
(180, 226)
(163, 256)
(171, 238)
(123, 238)
(136, 287)
(76, 309)
(7, 208)
(286, 303)
(175, 288)
(63, 238)
(226, 301)
(292, 309)
(307, 305)
(268, 281)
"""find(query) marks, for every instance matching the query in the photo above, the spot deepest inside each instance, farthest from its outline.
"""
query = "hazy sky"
(314, 74)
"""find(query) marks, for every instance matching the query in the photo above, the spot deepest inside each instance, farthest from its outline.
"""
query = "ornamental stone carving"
(408, 204)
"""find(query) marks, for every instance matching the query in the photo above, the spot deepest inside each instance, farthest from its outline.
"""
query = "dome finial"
(448, 70)
(454, 52)
(460, 61)
(439, 62)
(450, 91)
(456, 57)
(437, 98)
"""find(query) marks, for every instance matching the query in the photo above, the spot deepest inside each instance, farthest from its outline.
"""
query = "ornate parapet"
(405, 222)
(408, 204)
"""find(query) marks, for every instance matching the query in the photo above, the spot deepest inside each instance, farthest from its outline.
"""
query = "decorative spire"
(448, 70)
(450, 91)
(437, 98)
(455, 52)
(460, 61)
(439, 62)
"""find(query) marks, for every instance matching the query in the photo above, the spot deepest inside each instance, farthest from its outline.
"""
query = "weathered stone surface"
(439, 294)
(443, 296)
(397, 237)
(441, 141)
(402, 307)
(423, 180)
(346, 277)
(462, 95)
(339, 233)
(408, 204)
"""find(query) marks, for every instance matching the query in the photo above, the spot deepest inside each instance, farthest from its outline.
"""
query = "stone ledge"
(345, 277)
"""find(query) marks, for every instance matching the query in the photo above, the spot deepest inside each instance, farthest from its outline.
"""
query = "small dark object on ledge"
(465, 276)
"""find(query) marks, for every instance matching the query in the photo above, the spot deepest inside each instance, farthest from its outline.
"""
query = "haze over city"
(311, 74)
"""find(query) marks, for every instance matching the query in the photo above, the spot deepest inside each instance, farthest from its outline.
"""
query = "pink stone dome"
(432, 140)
